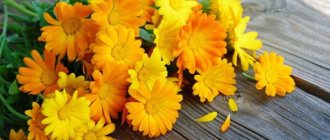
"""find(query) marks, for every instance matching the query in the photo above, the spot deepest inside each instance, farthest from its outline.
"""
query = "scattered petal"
(225, 124)
(232, 105)
(208, 117)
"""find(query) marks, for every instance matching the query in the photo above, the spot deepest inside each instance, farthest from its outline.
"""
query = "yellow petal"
(208, 117)
(225, 124)
(232, 105)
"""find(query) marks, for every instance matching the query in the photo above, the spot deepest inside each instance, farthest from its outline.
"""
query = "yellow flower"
(166, 38)
(19, 135)
(64, 114)
(118, 12)
(148, 70)
(271, 73)
(92, 131)
(117, 44)
(201, 43)
(40, 74)
(178, 10)
(36, 129)
(72, 83)
(243, 43)
(156, 19)
(156, 108)
(219, 78)
(72, 33)
(109, 90)
(229, 12)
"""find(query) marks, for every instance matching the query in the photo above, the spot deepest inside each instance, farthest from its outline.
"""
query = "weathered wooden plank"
(300, 31)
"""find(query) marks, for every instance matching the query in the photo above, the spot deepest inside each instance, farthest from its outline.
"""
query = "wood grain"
(300, 31)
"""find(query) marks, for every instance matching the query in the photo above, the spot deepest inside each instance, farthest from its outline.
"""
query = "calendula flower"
(148, 70)
(156, 19)
(36, 128)
(19, 135)
(71, 33)
(147, 9)
(178, 10)
(118, 12)
(156, 108)
(201, 42)
(244, 44)
(109, 89)
(229, 12)
(40, 74)
(219, 78)
(92, 131)
(271, 73)
(166, 38)
(64, 114)
(117, 44)
(71, 83)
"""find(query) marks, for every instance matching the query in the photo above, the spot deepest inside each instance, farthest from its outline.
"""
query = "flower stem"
(247, 76)
(4, 31)
(11, 110)
(14, 4)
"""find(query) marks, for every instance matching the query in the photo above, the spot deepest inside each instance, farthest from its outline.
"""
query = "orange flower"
(118, 12)
(109, 90)
(147, 8)
(40, 75)
(19, 135)
(71, 34)
(36, 129)
(201, 42)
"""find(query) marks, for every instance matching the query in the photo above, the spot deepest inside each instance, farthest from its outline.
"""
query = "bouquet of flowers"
(71, 68)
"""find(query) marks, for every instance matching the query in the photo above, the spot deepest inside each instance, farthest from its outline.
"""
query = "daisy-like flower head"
(64, 114)
(156, 108)
(166, 38)
(109, 90)
(244, 44)
(229, 12)
(36, 129)
(71, 83)
(271, 73)
(219, 78)
(118, 12)
(71, 33)
(40, 74)
(92, 131)
(117, 44)
(201, 42)
(148, 70)
(19, 135)
(178, 10)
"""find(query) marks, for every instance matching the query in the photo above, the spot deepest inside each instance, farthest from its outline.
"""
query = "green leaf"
(13, 98)
(13, 89)
(147, 36)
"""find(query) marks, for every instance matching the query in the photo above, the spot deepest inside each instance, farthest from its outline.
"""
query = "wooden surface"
(300, 31)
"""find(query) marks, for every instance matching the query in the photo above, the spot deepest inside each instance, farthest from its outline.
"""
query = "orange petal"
(225, 124)
(208, 117)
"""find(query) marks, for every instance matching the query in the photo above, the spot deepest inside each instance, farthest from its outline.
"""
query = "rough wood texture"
(298, 30)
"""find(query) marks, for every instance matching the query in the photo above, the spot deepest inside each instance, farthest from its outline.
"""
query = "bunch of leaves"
(20, 27)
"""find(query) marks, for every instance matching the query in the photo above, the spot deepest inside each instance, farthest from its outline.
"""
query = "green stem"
(4, 31)
(11, 110)
(14, 4)
(247, 76)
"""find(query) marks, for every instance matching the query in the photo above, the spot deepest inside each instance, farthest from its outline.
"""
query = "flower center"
(117, 52)
(151, 106)
(71, 26)
(143, 73)
(195, 42)
(114, 17)
(104, 91)
(176, 4)
(90, 136)
(271, 77)
(48, 77)
(63, 113)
